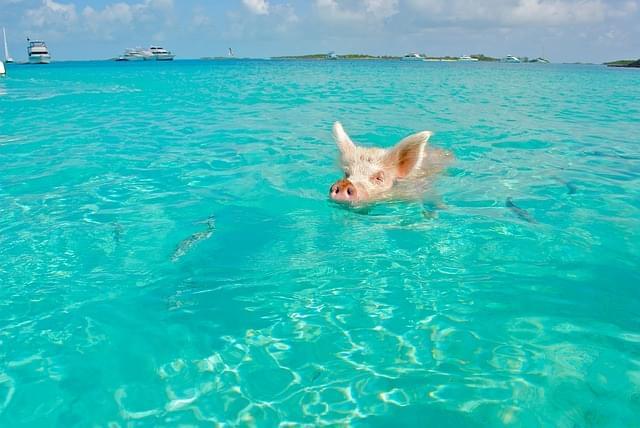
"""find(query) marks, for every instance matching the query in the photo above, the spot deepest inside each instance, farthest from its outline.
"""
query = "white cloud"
(104, 22)
(52, 14)
(558, 12)
(628, 8)
(59, 20)
(381, 9)
(280, 21)
(515, 13)
(258, 7)
(199, 19)
(336, 11)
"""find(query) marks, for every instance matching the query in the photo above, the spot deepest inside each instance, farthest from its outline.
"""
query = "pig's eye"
(378, 177)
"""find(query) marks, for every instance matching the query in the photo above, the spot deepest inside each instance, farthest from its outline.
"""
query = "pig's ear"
(342, 139)
(408, 154)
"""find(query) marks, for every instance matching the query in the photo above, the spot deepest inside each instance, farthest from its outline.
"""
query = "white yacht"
(7, 57)
(160, 54)
(412, 57)
(38, 52)
(2, 70)
(467, 58)
(511, 59)
(540, 60)
(137, 54)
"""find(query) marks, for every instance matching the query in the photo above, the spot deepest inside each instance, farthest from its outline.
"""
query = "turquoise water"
(168, 254)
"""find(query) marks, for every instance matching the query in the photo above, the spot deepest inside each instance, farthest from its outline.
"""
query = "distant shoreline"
(315, 57)
(624, 63)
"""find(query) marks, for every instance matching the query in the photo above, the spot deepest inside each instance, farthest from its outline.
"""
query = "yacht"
(511, 59)
(540, 60)
(137, 54)
(331, 55)
(38, 52)
(412, 57)
(2, 70)
(160, 54)
(467, 58)
(7, 57)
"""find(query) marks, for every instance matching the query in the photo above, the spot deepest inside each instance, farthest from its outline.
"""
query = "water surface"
(168, 254)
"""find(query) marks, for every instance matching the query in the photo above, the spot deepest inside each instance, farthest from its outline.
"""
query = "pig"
(372, 174)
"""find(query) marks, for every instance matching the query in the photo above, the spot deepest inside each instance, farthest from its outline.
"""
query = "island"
(331, 56)
(412, 56)
(624, 63)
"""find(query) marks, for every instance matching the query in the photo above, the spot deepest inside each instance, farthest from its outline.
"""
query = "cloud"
(258, 7)
(557, 12)
(337, 12)
(106, 21)
(63, 18)
(280, 20)
(52, 14)
(508, 13)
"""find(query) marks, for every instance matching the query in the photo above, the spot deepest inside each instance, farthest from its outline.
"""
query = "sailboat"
(7, 58)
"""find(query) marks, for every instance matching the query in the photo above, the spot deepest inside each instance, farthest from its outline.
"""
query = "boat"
(467, 58)
(412, 57)
(2, 70)
(137, 54)
(540, 60)
(510, 59)
(37, 52)
(156, 53)
(160, 54)
(331, 55)
(7, 57)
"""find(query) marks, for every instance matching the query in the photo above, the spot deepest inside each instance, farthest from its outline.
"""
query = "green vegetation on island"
(358, 56)
(327, 56)
(483, 57)
(623, 63)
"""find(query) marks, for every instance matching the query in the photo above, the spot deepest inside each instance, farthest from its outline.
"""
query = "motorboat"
(412, 57)
(160, 54)
(37, 52)
(137, 54)
(467, 58)
(540, 60)
(510, 59)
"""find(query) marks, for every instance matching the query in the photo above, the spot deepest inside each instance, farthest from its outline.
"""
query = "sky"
(561, 30)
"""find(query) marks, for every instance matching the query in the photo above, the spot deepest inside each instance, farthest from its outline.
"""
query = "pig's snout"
(343, 191)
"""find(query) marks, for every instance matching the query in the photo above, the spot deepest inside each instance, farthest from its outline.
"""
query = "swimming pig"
(372, 173)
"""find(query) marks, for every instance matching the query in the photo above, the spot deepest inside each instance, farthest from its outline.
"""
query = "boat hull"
(163, 57)
(39, 59)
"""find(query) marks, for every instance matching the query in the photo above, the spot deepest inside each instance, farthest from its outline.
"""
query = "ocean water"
(168, 255)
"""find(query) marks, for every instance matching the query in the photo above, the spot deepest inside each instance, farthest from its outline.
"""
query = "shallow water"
(169, 256)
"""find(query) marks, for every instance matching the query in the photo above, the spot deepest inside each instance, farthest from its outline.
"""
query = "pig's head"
(369, 172)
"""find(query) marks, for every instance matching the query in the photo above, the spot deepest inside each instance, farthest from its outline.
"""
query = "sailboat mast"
(7, 58)
(6, 50)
